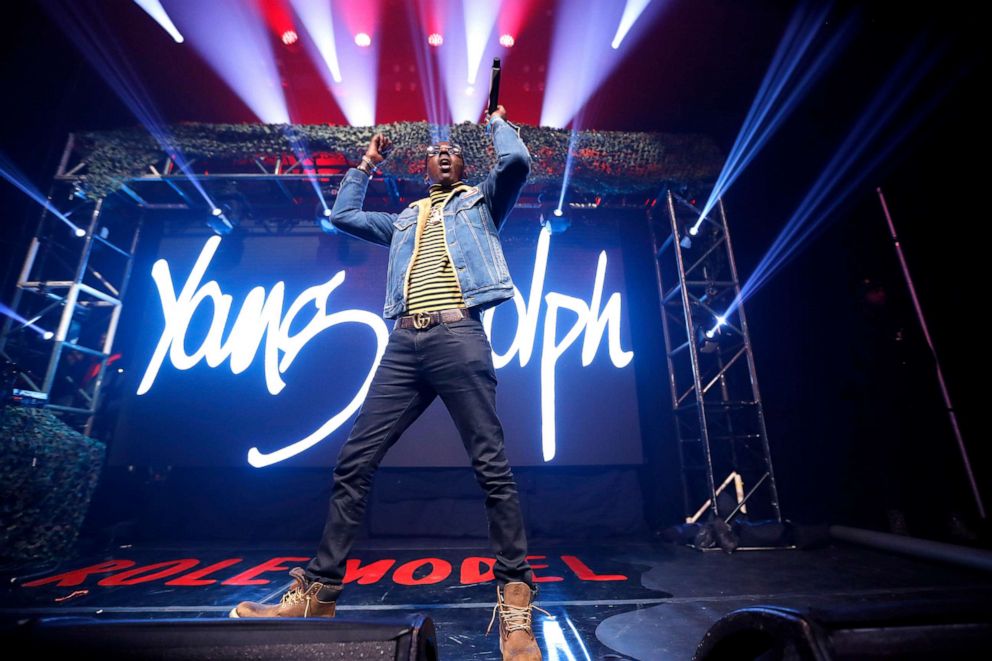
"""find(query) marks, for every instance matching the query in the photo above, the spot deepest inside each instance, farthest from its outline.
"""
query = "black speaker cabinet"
(952, 628)
(408, 639)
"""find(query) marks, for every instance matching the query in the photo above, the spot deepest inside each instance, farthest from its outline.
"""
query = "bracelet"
(371, 166)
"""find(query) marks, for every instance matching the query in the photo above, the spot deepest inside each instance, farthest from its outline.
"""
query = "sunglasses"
(453, 149)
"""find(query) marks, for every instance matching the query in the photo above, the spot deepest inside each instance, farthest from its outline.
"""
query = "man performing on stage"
(445, 266)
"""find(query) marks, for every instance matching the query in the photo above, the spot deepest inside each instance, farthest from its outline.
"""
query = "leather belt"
(425, 320)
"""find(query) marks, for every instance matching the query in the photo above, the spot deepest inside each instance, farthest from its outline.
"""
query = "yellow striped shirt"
(432, 282)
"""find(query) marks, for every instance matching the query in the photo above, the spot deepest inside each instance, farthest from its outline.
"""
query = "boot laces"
(299, 592)
(513, 617)
(296, 594)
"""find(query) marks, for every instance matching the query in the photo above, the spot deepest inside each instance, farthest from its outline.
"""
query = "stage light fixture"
(707, 341)
(363, 40)
(506, 40)
(48, 335)
(322, 214)
(223, 218)
(713, 332)
(80, 232)
(289, 37)
(558, 212)
(557, 223)
(435, 39)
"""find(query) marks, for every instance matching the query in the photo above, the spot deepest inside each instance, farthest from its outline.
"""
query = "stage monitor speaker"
(412, 638)
(951, 628)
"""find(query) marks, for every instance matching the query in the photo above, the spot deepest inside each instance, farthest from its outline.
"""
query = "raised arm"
(347, 214)
(502, 186)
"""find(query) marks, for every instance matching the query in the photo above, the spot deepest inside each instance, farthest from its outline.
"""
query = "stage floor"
(628, 599)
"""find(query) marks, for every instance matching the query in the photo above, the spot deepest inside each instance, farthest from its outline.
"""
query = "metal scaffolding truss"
(280, 184)
(719, 419)
(68, 304)
(263, 180)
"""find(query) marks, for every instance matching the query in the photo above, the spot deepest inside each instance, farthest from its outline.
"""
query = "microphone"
(494, 87)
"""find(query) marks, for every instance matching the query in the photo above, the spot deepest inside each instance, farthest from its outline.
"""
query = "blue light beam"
(438, 114)
(94, 40)
(301, 149)
(631, 11)
(843, 174)
(582, 55)
(480, 20)
(349, 71)
(154, 9)
(318, 21)
(785, 84)
(573, 142)
(232, 37)
(17, 178)
(26, 323)
(463, 52)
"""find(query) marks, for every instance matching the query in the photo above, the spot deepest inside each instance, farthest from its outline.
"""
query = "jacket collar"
(424, 203)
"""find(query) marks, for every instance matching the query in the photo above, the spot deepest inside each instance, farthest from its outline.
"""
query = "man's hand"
(499, 112)
(379, 148)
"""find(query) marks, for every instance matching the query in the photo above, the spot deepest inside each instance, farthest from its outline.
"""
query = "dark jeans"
(453, 360)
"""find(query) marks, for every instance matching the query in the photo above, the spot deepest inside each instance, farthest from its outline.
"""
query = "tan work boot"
(305, 598)
(516, 636)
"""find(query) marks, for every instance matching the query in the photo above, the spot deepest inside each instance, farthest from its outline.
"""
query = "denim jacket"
(472, 221)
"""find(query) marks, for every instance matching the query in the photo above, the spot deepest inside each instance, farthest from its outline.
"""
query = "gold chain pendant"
(435, 216)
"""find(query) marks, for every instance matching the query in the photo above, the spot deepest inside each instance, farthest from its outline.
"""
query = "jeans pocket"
(468, 326)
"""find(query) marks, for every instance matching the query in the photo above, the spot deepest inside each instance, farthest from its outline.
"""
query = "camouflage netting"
(604, 162)
(48, 473)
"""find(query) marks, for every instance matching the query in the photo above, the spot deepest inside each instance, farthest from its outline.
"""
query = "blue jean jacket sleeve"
(501, 187)
(347, 215)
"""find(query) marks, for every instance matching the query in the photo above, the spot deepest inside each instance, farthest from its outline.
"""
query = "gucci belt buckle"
(421, 320)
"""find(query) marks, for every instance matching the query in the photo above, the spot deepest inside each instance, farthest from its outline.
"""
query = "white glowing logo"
(587, 317)
(258, 319)
(261, 319)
